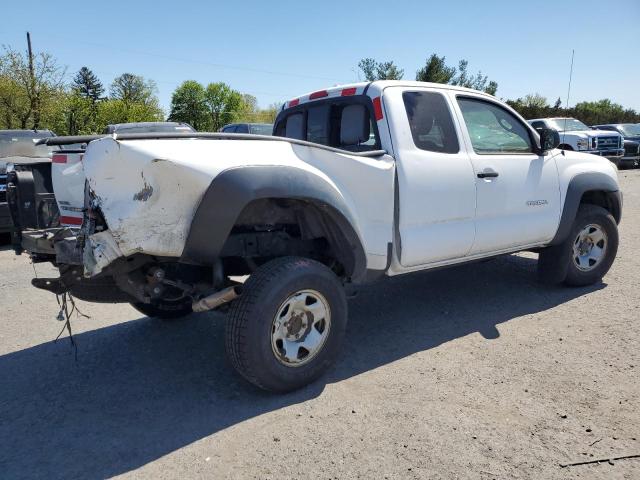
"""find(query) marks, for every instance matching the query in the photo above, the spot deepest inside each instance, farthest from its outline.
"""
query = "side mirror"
(549, 139)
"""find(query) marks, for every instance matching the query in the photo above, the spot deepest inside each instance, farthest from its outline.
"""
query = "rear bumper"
(6, 225)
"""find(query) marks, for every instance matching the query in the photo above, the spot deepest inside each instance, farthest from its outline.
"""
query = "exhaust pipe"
(216, 299)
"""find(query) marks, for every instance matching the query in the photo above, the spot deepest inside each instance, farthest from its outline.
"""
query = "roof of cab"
(373, 89)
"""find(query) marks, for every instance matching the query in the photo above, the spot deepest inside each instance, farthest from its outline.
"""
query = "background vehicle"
(148, 127)
(17, 150)
(631, 134)
(253, 128)
(575, 135)
(450, 175)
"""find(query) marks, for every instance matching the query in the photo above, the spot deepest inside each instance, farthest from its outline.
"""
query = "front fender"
(576, 188)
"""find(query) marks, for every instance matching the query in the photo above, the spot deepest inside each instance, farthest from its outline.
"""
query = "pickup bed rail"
(205, 136)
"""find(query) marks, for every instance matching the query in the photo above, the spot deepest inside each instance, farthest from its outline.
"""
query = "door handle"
(488, 173)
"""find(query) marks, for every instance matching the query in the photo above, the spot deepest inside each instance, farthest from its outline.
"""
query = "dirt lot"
(474, 372)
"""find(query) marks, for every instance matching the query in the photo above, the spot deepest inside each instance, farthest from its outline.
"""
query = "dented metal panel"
(148, 190)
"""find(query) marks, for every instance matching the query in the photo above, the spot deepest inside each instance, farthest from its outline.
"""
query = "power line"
(187, 60)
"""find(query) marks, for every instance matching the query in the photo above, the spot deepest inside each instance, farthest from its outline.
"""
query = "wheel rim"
(589, 247)
(300, 328)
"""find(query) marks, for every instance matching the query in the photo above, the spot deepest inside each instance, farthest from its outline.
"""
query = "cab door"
(518, 193)
(436, 186)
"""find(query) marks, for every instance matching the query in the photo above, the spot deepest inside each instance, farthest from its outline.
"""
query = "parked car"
(17, 149)
(253, 128)
(451, 175)
(631, 134)
(148, 127)
(575, 135)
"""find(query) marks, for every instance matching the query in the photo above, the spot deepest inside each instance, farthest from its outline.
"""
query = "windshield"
(21, 144)
(567, 124)
(630, 129)
(261, 128)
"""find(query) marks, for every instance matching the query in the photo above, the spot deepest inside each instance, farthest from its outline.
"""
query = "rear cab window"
(346, 123)
(430, 122)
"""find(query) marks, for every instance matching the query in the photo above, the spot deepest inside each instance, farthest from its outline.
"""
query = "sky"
(277, 50)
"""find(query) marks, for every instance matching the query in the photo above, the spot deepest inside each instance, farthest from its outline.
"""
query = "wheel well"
(565, 146)
(602, 199)
(276, 227)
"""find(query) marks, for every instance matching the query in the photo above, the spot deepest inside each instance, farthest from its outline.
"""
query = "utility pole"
(35, 100)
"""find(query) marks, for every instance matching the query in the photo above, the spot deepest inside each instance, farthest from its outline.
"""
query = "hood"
(603, 133)
(590, 133)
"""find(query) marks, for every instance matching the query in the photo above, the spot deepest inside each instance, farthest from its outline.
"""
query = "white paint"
(68, 184)
(149, 190)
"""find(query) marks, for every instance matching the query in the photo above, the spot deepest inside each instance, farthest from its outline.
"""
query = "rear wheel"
(287, 327)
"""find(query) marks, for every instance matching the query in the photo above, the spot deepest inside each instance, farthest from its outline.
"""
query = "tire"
(291, 296)
(164, 310)
(563, 263)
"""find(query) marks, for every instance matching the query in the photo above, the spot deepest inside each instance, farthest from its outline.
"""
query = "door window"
(492, 129)
(430, 122)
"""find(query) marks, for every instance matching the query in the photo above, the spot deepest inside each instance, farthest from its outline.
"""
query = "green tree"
(24, 96)
(373, 70)
(531, 106)
(188, 105)
(223, 104)
(132, 88)
(87, 84)
(120, 111)
(436, 70)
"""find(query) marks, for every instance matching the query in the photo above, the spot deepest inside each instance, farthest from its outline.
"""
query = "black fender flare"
(233, 189)
(578, 186)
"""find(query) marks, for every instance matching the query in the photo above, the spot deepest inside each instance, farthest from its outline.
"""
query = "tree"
(374, 70)
(436, 71)
(531, 106)
(120, 111)
(188, 105)
(223, 104)
(23, 95)
(132, 99)
(132, 88)
(87, 84)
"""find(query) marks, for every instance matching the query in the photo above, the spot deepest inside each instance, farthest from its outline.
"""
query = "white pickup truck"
(359, 182)
(575, 135)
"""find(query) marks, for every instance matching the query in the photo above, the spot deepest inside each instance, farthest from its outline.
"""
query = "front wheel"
(287, 327)
(588, 252)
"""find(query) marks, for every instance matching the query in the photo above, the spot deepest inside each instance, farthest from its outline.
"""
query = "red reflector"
(58, 158)
(318, 94)
(347, 92)
(377, 108)
(70, 220)
(293, 103)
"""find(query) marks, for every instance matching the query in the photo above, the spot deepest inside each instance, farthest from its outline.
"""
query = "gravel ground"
(472, 372)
